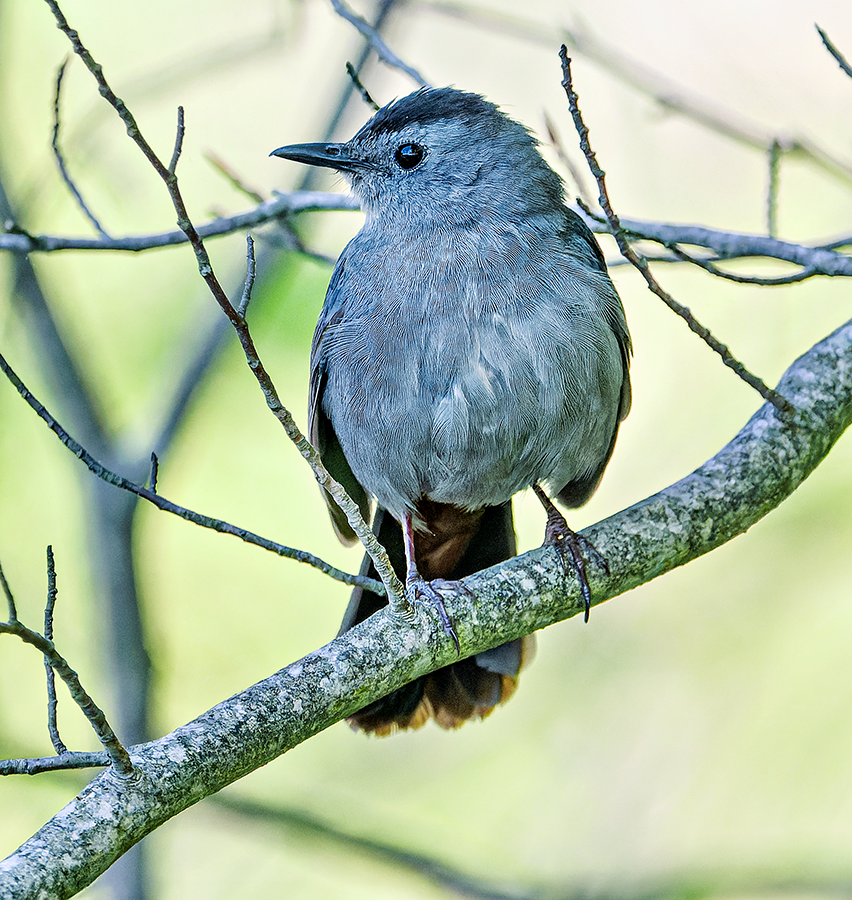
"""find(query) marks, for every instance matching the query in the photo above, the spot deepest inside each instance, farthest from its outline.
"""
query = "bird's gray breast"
(467, 370)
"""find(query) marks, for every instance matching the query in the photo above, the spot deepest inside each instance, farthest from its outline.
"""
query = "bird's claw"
(420, 590)
(571, 546)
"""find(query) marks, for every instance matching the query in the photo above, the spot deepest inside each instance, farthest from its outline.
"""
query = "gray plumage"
(471, 343)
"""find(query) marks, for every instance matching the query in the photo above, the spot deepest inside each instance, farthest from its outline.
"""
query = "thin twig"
(837, 244)
(117, 753)
(396, 593)
(232, 177)
(63, 171)
(52, 726)
(250, 275)
(356, 81)
(55, 661)
(763, 281)
(179, 134)
(839, 57)
(565, 159)
(385, 54)
(160, 502)
(10, 600)
(155, 471)
(70, 759)
(774, 161)
(641, 264)
(729, 245)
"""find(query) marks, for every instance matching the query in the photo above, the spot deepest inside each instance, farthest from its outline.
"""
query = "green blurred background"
(696, 736)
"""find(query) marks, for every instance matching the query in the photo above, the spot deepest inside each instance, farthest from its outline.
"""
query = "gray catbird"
(471, 345)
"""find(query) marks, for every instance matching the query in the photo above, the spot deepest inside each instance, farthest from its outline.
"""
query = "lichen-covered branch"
(755, 472)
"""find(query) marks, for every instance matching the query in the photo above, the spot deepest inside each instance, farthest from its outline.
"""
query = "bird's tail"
(467, 689)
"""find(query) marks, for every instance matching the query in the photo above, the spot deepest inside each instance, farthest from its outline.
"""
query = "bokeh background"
(696, 736)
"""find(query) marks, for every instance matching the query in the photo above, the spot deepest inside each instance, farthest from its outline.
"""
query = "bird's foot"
(571, 548)
(420, 590)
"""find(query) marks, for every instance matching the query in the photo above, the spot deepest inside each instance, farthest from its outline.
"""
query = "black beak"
(332, 156)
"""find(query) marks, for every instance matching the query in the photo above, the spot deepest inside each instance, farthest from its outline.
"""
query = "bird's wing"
(582, 241)
(320, 429)
(579, 234)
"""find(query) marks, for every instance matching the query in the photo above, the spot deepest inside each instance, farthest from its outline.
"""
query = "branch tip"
(356, 81)
(179, 135)
(248, 286)
(840, 59)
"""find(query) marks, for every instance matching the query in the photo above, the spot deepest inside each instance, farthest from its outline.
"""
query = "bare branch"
(155, 471)
(641, 264)
(232, 178)
(385, 54)
(52, 726)
(160, 502)
(774, 166)
(281, 205)
(838, 56)
(709, 266)
(727, 245)
(576, 175)
(356, 81)
(10, 600)
(70, 759)
(95, 715)
(454, 881)
(181, 130)
(837, 244)
(60, 161)
(250, 275)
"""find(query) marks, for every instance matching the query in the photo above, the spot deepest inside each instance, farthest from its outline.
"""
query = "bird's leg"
(418, 586)
(570, 546)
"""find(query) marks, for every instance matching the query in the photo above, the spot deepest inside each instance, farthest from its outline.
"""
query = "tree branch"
(281, 205)
(60, 161)
(641, 263)
(758, 469)
(734, 245)
(839, 58)
(150, 494)
(385, 54)
(115, 750)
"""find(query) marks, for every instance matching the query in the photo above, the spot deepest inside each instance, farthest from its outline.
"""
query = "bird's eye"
(409, 155)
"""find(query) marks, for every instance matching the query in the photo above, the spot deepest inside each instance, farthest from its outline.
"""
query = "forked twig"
(118, 755)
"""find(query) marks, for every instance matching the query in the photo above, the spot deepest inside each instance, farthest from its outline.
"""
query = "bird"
(471, 345)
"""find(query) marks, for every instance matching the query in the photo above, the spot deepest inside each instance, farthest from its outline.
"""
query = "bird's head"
(438, 156)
